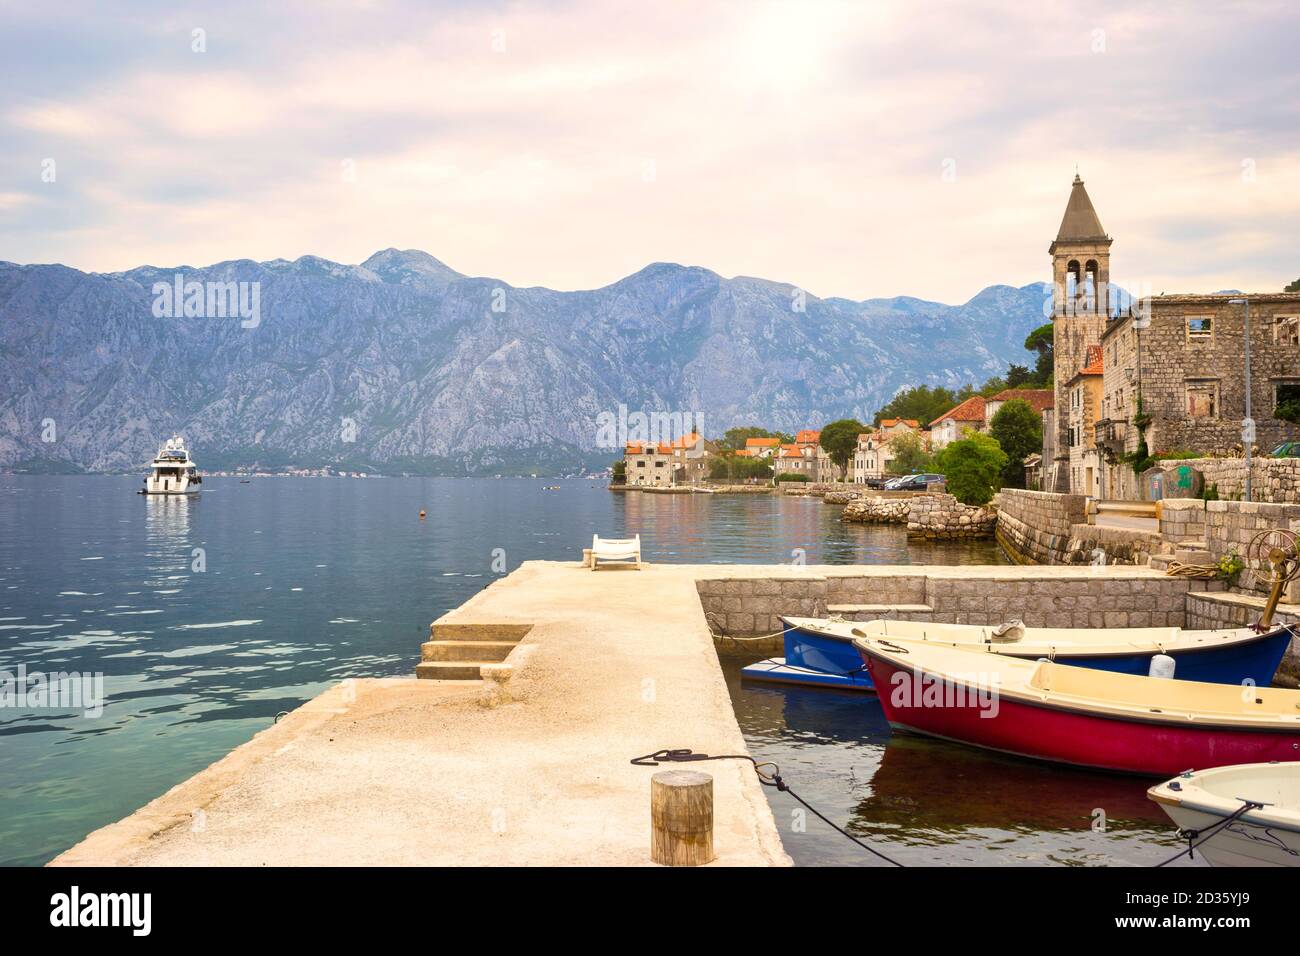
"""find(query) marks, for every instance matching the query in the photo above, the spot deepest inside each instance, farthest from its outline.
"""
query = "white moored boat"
(1261, 836)
(173, 473)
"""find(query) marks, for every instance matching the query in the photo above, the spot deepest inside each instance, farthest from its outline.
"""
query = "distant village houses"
(875, 449)
(976, 413)
(684, 461)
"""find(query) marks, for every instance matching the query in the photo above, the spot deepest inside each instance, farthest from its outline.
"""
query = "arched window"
(1090, 281)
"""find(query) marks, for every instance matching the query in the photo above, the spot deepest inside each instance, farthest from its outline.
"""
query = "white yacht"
(173, 472)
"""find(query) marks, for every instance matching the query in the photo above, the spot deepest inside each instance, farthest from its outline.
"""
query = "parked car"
(916, 482)
(1288, 449)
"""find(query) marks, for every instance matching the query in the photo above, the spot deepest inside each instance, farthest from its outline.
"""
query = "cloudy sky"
(854, 149)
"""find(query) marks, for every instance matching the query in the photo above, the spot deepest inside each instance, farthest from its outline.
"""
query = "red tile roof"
(1093, 365)
(1040, 398)
(762, 442)
(971, 410)
(808, 437)
(891, 422)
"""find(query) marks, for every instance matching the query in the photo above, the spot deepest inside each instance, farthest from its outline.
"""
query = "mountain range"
(402, 364)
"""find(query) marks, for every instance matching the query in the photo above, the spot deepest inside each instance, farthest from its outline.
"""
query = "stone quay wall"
(1094, 544)
(744, 603)
(1272, 479)
(943, 516)
(926, 514)
(1035, 526)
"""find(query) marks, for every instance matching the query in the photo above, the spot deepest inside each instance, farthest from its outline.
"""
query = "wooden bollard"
(681, 818)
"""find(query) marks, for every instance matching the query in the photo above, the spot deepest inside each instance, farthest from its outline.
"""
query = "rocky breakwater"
(926, 516)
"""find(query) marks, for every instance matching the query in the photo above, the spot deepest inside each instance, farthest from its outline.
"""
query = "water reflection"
(929, 802)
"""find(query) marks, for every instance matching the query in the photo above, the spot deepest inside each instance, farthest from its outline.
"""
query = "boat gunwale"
(1234, 637)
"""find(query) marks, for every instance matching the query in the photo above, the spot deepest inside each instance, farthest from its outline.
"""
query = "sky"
(852, 149)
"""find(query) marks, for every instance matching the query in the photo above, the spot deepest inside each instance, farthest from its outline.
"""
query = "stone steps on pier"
(459, 651)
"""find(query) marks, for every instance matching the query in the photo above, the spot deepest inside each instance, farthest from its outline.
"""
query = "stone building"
(875, 449)
(648, 464)
(1175, 378)
(1173, 365)
(683, 461)
(949, 426)
(1084, 398)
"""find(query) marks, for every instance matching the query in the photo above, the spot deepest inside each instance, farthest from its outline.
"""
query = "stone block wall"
(943, 516)
(1272, 479)
(1232, 524)
(1117, 545)
(1182, 519)
(741, 606)
(1036, 526)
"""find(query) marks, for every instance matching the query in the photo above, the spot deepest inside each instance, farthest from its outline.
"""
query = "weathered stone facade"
(1188, 366)
(1080, 305)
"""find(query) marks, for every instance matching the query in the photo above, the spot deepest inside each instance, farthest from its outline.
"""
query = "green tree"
(1018, 430)
(921, 402)
(910, 455)
(1293, 287)
(840, 440)
(973, 467)
(1018, 376)
(1041, 341)
(731, 466)
(620, 473)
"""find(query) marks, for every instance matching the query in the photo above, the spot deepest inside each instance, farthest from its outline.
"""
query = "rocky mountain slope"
(403, 364)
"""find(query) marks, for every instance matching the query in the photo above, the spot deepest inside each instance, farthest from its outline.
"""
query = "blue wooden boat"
(820, 651)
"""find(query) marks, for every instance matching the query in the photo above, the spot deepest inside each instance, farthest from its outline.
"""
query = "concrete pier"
(527, 767)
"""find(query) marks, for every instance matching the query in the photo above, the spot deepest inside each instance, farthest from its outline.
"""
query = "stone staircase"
(458, 651)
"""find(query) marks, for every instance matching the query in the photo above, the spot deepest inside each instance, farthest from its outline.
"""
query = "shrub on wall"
(973, 468)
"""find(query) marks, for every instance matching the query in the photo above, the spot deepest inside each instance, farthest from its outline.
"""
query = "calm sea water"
(928, 802)
(207, 616)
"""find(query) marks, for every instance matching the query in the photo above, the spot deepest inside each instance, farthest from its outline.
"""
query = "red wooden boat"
(1077, 715)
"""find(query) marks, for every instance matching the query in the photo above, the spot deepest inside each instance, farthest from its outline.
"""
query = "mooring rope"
(772, 779)
(1193, 842)
(1179, 570)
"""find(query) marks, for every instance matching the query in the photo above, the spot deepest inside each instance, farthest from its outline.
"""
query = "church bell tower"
(1081, 304)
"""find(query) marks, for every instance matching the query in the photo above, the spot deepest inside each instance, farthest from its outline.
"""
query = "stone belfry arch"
(1081, 303)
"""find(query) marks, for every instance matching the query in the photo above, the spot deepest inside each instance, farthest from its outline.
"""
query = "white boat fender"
(1162, 665)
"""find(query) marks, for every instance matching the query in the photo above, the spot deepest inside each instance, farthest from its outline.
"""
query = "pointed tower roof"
(1080, 220)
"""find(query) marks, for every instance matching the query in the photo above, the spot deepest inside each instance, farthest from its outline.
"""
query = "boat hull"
(777, 670)
(1256, 660)
(1061, 735)
(1240, 843)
